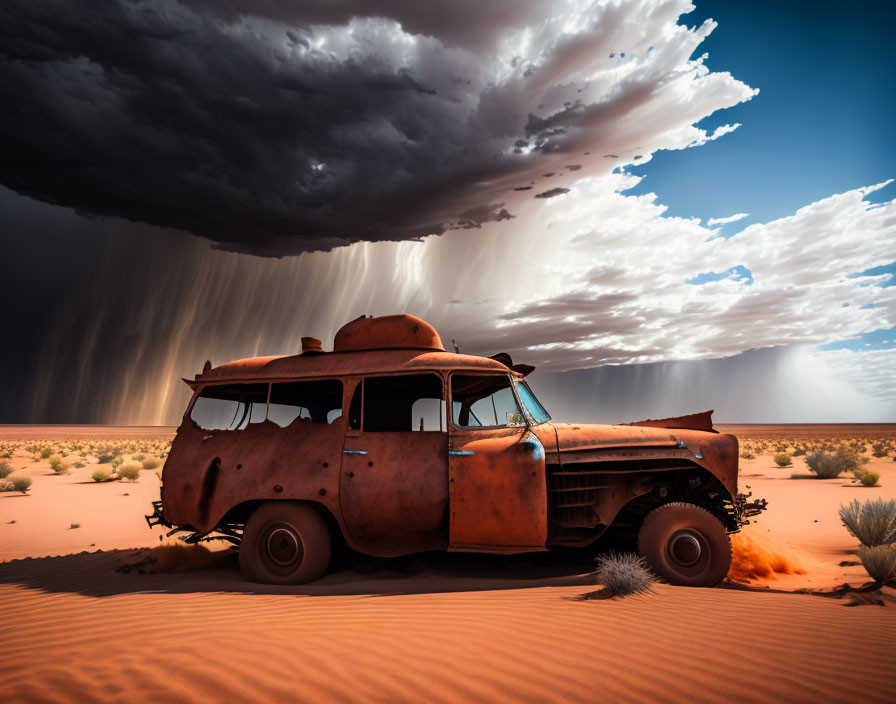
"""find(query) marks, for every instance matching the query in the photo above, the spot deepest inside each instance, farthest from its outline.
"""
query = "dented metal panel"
(208, 472)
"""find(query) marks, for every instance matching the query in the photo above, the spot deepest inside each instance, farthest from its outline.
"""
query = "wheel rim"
(283, 546)
(686, 547)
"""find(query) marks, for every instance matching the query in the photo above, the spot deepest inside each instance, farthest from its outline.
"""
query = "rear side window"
(403, 403)
(310, 401)
(230, 406)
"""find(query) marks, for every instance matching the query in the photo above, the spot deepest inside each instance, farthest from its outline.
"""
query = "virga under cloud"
(304, 126)
(275, 128)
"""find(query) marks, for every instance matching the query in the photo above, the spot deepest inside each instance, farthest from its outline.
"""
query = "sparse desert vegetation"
(57, 464)
(782, 459)
(879, 562)
(872, 522)
(869, 478)
(624, 573)
(20, 484)
(828, 465)
(5, 469)
(129, 471)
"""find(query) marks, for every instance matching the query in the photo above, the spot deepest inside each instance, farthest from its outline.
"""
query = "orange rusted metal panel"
(498, 490)
(387, 332)
(393, 491)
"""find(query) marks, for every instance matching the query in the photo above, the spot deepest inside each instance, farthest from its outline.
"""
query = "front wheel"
(685, 545)
(285, 543)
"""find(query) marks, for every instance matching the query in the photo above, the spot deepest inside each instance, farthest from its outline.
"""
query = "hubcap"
(686, 548)
(283, 545)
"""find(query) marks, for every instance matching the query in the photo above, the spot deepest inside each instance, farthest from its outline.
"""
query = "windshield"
(536, 410)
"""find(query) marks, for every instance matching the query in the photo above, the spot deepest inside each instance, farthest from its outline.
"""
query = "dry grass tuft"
(879, 562)
(623, 573)
(872, 522)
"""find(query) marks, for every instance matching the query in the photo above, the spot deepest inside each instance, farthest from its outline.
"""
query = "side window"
(484, 401)
(307, 401)
(230, 406)
(404, 403)
(354, 409)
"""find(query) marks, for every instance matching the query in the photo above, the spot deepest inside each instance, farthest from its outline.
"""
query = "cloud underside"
(278, 127)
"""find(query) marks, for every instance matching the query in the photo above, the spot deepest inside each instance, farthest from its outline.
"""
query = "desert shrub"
(879, 562)
(22, 484)
(872, 522)
(869, 478)
(624, 573)
(129, 471)
(45, 452)
(5, 470)
(828, 465)
(99, 475)
(782, 460)
(878, 450)
(6, 485)
(747, 456)
(799, 451)
(58, 465)
(139, 458)
(150, 463)
(104, 459)
(79, 465)
(74, 525)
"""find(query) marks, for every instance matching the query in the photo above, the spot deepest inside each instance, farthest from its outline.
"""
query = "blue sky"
(821, 124)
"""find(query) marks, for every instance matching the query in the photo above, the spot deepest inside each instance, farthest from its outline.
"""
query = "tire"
(284, 543)
(685, 545)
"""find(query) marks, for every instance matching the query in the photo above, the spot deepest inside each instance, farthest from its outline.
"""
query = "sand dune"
(75, 630)
(441, 628)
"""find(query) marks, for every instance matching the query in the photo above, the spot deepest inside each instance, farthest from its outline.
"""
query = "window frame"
(526, 412)
(415, 372)
(197, 392)
(527, 420)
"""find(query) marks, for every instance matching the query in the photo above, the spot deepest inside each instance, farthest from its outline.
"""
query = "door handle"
(354, 452)
(460, 453)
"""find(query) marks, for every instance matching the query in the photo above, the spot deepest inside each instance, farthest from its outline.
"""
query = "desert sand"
(431, 627)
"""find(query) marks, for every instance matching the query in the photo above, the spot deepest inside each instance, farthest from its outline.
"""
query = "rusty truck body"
(397, 446)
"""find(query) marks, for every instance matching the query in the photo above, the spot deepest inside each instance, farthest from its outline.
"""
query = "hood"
(583, 436)
(717, 452)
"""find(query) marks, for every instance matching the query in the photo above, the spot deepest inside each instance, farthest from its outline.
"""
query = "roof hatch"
(387, 332)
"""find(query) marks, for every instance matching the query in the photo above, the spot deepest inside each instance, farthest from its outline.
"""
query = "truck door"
(393, 489)
(496, 470)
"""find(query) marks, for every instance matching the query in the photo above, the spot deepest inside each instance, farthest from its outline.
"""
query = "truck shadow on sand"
(98, 574)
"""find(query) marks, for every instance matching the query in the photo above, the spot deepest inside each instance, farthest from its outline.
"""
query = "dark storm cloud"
(280, 127)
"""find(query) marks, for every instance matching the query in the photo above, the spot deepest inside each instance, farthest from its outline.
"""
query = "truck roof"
(348, 363)
(388, 344)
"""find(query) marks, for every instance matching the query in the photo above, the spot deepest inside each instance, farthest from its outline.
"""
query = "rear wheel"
(285, 543)
(685, 545)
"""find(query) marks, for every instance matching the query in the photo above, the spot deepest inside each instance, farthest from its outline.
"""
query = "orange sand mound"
(173, 557)
(446, 628)
(76, 631)
(755, 558)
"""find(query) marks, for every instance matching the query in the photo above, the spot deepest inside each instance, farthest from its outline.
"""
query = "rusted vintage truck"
(394, 446)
